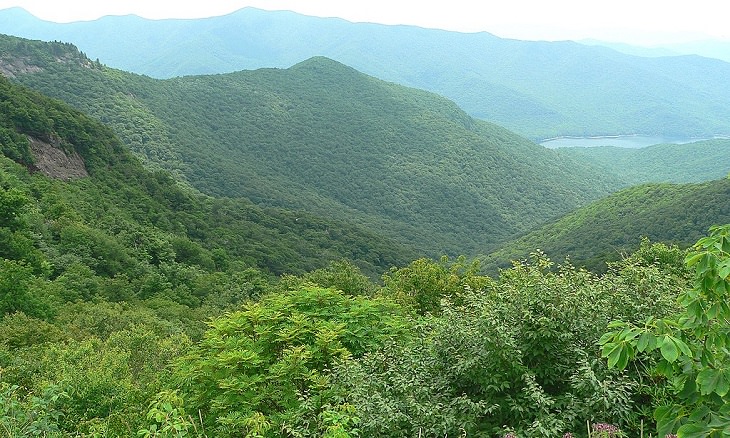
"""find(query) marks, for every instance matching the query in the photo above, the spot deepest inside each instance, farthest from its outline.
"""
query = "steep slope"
(104, 208)
(538, 89)
(323, 137)
(677, 163)
(613, 226)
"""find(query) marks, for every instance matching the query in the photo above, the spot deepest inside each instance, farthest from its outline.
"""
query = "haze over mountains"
(537, 89)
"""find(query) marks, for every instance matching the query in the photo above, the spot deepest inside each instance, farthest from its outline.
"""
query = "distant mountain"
(538, 89)
(326, 138)
(707, 48)
(677, 163)
(608, 228)
(629, 49)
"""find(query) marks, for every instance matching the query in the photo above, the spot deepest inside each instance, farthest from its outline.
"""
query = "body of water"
(622, 141)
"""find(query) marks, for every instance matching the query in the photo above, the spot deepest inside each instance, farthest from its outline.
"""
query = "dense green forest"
(539, 89)
(678, 163)
(132, 304)
(322, 137)
(117, 321)
(610, 228)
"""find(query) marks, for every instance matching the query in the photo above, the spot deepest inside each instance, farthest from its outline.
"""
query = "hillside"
(677, 163)
(612, 227)
(126, 218)
(323, 137)
(538, 89)
(132, 304)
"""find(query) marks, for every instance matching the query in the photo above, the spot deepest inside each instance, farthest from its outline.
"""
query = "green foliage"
(690, 347)
(342, 275)
(23, 415)
(540, 89)
(518, 352)
(321, 137)
(168, 418)
(252, 366)
(12, 203)
(424, 284)
(16, 292)
(670, 213)
(677, 163)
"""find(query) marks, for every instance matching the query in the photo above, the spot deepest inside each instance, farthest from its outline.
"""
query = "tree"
(248, 373)
(12, 203)
(691, 349)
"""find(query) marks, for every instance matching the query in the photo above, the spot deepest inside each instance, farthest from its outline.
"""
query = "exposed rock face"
(13, 67)
(52, 161)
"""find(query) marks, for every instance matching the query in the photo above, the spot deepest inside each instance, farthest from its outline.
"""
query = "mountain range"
(537, 89)
(201, 254)
(323, 137)
(328, 141)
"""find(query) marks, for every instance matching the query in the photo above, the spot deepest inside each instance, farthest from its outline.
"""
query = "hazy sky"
(644, 22)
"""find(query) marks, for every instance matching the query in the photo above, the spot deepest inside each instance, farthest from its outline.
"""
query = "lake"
(623, 141)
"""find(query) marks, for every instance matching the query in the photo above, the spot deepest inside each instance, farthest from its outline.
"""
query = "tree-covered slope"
(611, 227)
(323, 137)
(122, 218)
(539, 89)
(677, 163)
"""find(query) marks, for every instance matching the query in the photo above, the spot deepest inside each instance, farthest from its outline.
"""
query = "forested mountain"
(612, 227)
(538, 89)
(105, 212)
(677, 163)
(323, 137)
(133, 305)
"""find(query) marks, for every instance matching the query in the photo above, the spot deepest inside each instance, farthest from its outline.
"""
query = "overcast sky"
(645, 22)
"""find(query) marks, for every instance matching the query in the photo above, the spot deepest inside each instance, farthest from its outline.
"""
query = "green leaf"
(666, 419)
(724, 270)
(683, 347)
(691, 259)
(606, 337)
(693, 431)
(712, 380)
(643, 343)
(669, 349)
(613, 352)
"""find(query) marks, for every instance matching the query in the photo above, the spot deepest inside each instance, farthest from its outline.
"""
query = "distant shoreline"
(615, 136)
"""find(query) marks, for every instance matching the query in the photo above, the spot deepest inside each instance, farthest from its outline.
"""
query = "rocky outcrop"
(54, 162)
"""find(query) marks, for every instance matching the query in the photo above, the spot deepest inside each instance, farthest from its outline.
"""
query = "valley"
(265, 224)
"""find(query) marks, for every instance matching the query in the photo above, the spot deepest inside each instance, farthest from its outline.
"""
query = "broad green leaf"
(683, 347)
(643, 341)
(623, 359)
(711, 380)
(664, 368)
(669, 349)
(724, 269)
(606, 337)
(693, 431)
(691, 259)
(613, 352)
(666, 419)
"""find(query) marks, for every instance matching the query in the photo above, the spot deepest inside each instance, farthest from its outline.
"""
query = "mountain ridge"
(583, 90)
(324, 137)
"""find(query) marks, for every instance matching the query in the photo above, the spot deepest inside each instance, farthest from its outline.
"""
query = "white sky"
(645, 22)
